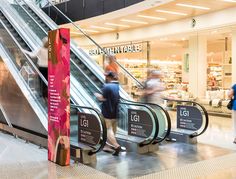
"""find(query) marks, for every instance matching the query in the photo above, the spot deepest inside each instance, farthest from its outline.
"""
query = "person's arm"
(31, 54)
(231, 93)
(100, 97)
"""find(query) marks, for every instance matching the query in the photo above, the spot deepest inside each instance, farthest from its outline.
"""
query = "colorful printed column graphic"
(59, 96)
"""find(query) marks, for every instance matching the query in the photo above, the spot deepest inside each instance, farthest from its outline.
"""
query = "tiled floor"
(213, 157)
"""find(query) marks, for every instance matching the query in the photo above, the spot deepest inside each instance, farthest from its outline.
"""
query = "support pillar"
(233, 57)
(198, 66)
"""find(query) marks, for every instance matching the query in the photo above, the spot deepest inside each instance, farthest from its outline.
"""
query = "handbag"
(230, 104)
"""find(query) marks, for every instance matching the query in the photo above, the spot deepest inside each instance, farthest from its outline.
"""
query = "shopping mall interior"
(189, 134)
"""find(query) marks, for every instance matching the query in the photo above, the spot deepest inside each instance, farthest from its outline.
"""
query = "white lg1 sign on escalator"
(89, 130)
(139, 123)
(189, 117)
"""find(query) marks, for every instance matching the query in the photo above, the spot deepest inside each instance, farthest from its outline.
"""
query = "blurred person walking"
(154, 88)
(112, 65)
(232, 95)
(42, 54)
(110, 98)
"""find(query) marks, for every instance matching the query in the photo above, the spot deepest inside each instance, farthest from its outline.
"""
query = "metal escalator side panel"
(17, 100)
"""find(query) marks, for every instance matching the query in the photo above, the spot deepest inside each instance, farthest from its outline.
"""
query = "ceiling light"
(152, 17)
(76, 33)
(90, 30)
(164, 39)
(98, 27)
(119, 25)
(172, 12)
(133, 21)
(193, 6)
(230, 0)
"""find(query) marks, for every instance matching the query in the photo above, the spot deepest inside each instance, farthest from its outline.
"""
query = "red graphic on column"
(59, 96)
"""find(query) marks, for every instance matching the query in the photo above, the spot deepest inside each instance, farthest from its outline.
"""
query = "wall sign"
(89, 130)
(59, 96)
(139, 123)
(189, 117)
(132, 48)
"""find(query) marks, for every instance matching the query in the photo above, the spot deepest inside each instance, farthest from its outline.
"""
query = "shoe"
(234, 140)
(117, 151)
(108, 150)
(123, 149)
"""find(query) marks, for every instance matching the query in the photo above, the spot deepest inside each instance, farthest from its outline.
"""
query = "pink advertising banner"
(59, 96)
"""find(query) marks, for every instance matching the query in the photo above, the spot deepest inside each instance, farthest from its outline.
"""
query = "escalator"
(86, 71)
(85, 74)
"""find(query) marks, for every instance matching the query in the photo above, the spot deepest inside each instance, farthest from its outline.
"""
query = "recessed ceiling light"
(152, 17)
(193, 6)
(90, 30)
(164, 39)
(183, 39)
(230, 0)
(172, 12)
(98, 27)
(133, 21)
(119, 25)
(76, 33)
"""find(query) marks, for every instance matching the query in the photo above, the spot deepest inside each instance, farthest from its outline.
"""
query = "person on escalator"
(154, 88)
(42, 54)
(110, 98)
(112, 65)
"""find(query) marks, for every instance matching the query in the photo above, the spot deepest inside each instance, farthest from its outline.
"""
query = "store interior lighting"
(119, 25)
(193, 6)
(133, 21)
(172, 12)
(152, 17)
(229, 0)
(161, 62)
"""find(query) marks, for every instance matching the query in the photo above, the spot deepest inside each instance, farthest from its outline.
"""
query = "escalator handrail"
(86, 35)
(29, 60)
(30, 16)
(168, 120)
(103, 124)
(71, 60)
(146, 142)
(204, 111)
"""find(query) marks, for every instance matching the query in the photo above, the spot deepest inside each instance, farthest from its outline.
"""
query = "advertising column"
(59, 96)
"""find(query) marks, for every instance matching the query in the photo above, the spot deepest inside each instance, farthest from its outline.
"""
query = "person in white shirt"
(154, 88)
(42, 55)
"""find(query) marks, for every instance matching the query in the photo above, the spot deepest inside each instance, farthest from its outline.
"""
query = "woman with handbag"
(232, 95)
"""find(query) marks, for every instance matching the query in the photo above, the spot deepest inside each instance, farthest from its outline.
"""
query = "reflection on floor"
(213, 157)
(219, 132)
(169, 155)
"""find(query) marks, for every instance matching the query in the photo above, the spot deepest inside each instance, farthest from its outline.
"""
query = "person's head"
(45, 42)
(110, 76)
(111, 58)
(156, 74)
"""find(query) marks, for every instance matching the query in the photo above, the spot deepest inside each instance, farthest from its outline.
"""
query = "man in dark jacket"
(110, 98)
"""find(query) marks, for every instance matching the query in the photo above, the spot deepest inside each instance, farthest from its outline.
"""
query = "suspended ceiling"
(147, 14)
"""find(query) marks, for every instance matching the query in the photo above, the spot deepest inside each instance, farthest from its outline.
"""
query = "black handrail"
(143, 143)
(167, 117)
(28, 59)
(104, 129)
(86, 35)
(203, 109)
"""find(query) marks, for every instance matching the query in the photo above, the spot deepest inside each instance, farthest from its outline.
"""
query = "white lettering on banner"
(184, 112)
(133, 48)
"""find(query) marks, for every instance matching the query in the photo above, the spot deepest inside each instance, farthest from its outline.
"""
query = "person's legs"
(234, 123)
(110, 134)
(114, 125)
(43, 86)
